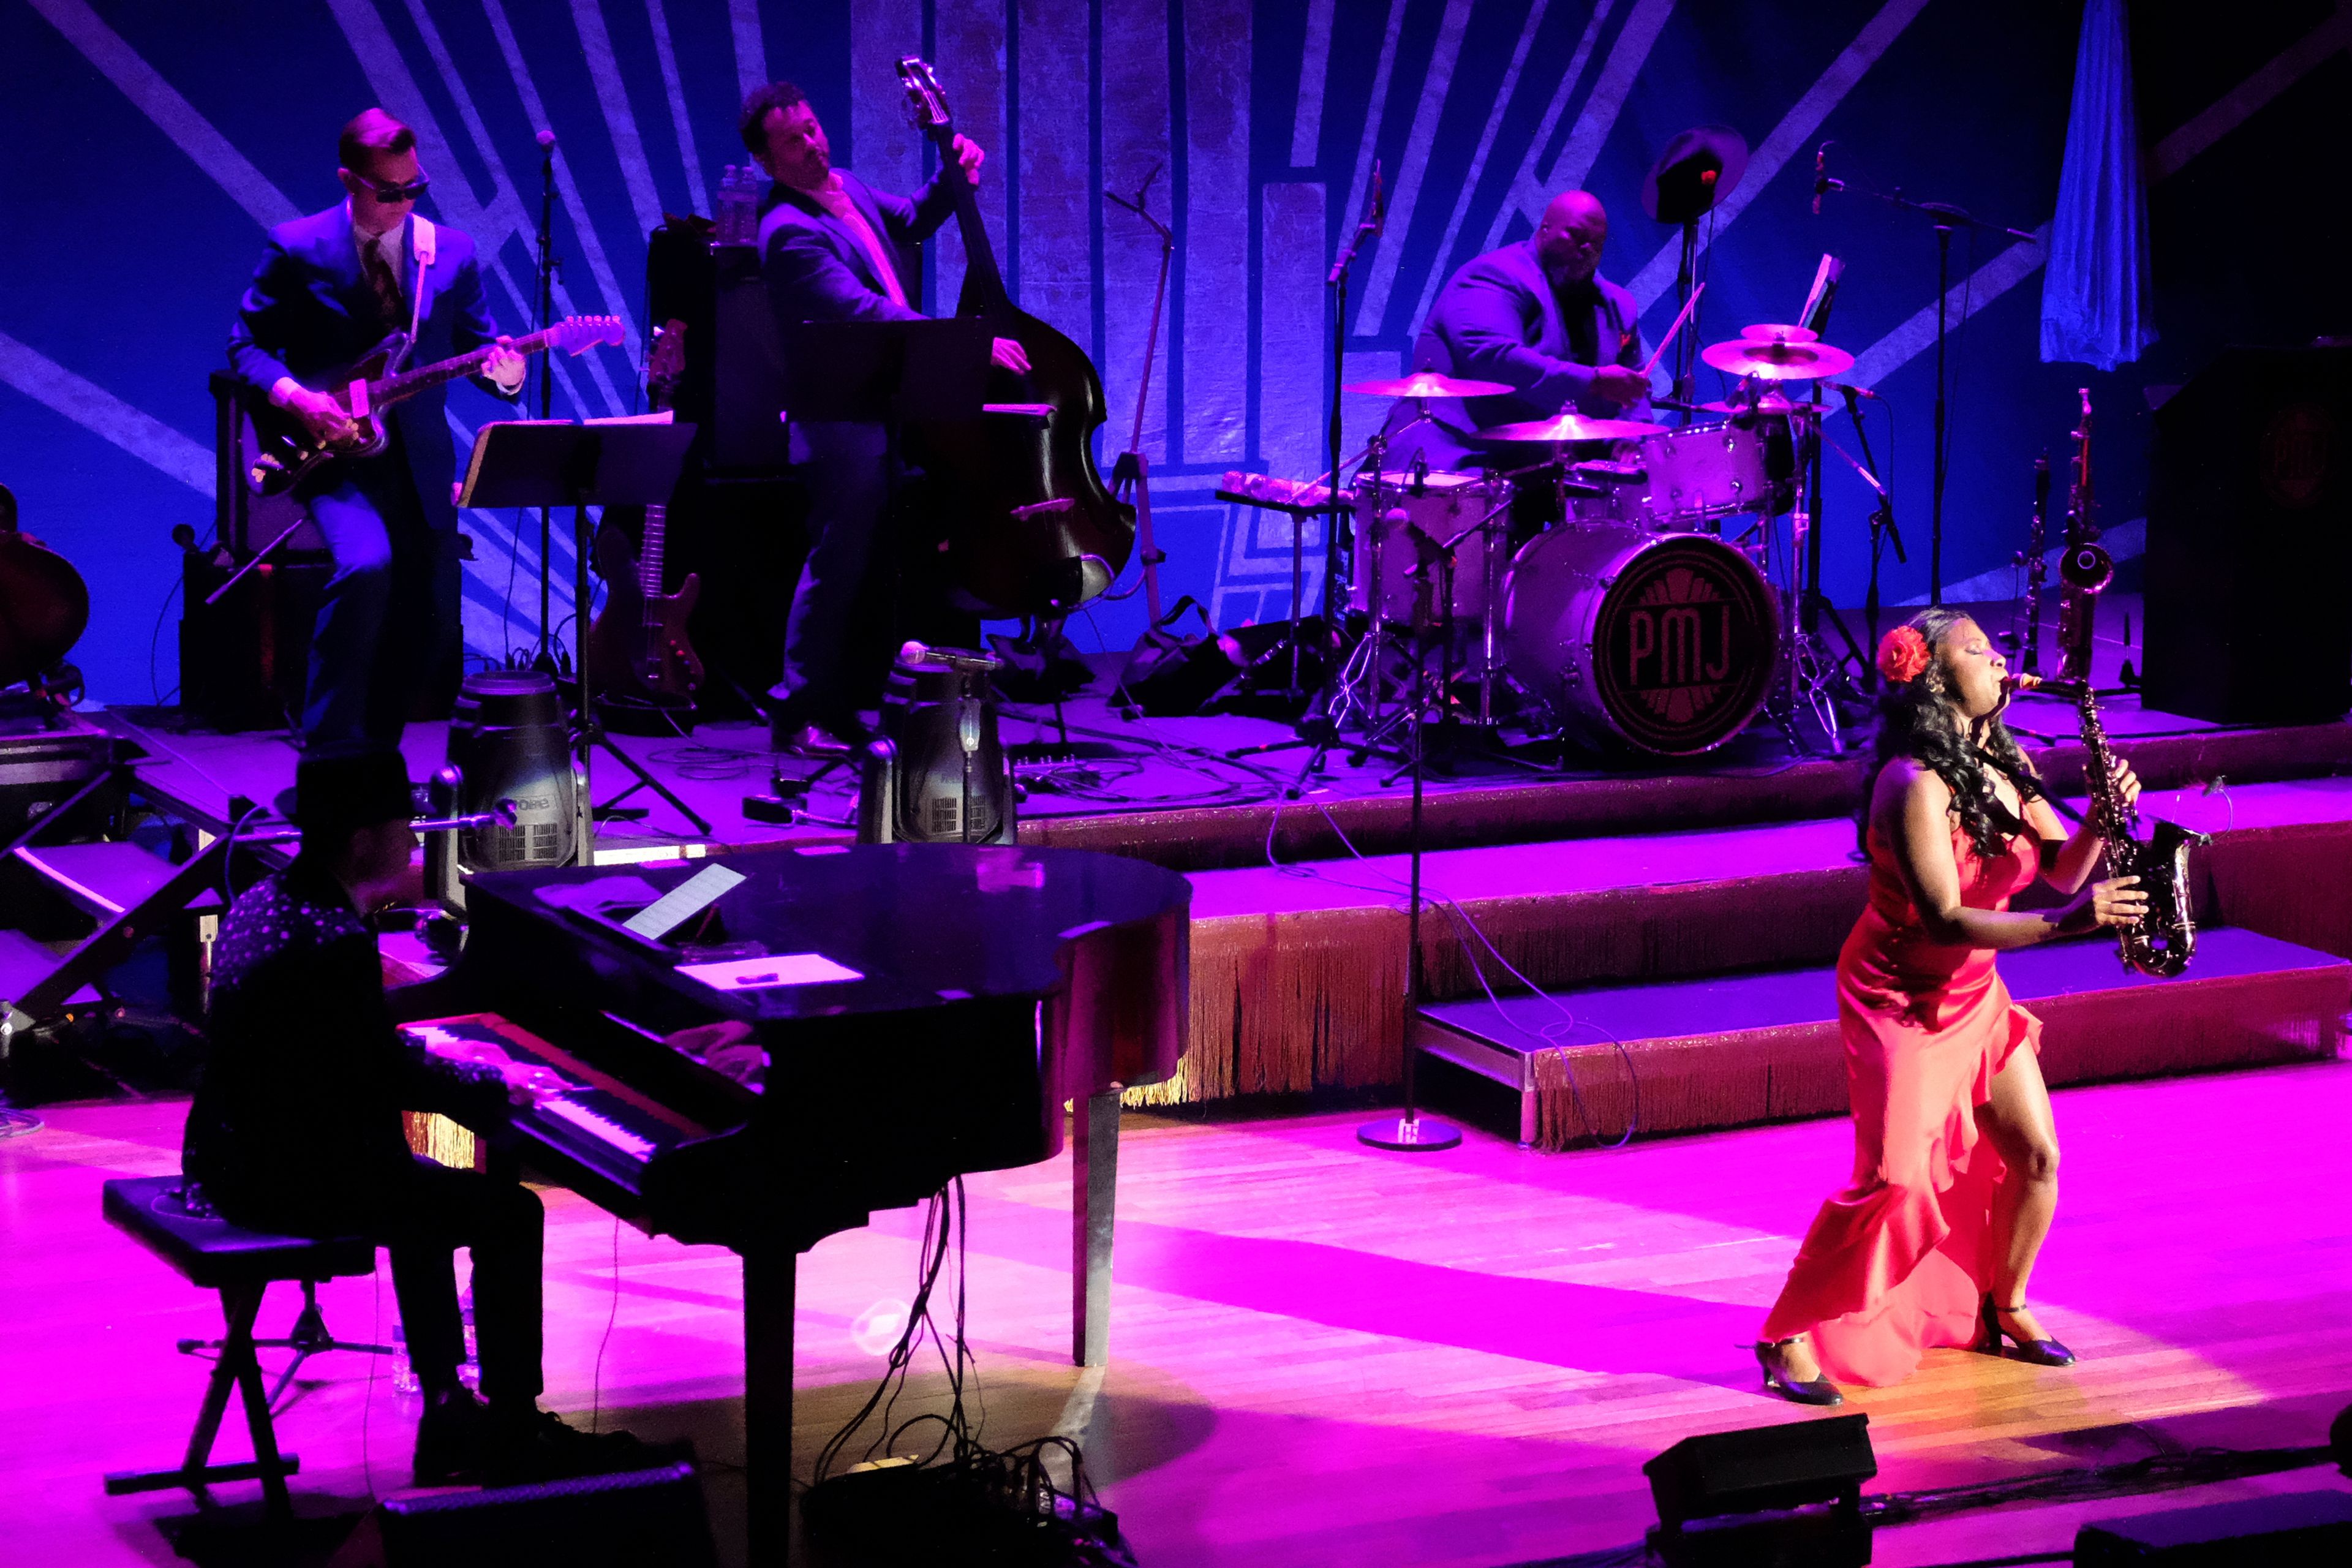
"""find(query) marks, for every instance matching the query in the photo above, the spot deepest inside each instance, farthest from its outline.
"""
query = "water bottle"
(730, 207)
(404, 1375)
(469, 1371)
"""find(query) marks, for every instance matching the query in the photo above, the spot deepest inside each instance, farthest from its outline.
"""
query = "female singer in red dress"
(1956, 1161)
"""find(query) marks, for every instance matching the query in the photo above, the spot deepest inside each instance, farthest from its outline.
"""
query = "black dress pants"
(422, 1220)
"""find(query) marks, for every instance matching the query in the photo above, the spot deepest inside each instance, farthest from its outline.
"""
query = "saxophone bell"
(2087, 568)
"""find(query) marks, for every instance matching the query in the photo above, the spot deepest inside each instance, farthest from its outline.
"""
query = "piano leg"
(1094, 1182)
(768, 1281)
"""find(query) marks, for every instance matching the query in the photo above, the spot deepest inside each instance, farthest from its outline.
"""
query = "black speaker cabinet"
(733, 385)
(2276, 1531)
(626, 1521)
(244, 661)
(1762, 1467)
(2249, 570)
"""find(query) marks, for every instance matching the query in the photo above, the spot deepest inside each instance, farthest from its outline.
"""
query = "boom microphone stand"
(1943, 217)
(549, 656)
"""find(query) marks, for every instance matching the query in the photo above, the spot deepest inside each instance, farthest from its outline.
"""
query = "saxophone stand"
(552, 463)
(1410, 1132)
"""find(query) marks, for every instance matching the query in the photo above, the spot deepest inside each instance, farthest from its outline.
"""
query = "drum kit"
(1648, 610)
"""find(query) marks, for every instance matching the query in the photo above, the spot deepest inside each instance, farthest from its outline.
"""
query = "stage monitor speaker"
(2248, 569)
(1762, 1467)
(625, 1521)
(2285, 1532)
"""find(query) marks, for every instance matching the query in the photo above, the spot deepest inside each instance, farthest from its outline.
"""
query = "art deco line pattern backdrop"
(151, 142)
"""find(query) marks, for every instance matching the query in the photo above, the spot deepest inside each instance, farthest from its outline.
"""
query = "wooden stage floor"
(1321, 1355)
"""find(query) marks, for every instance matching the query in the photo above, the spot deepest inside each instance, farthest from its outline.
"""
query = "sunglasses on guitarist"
(391, 194)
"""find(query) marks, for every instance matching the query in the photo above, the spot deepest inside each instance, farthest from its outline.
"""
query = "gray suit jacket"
(1497, 320)
(817, 271)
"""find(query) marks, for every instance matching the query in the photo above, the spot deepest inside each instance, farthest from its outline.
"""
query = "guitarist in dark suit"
(331, 287)
(831, 249)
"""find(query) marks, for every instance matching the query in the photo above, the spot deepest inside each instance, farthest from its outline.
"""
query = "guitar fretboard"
(408, 383)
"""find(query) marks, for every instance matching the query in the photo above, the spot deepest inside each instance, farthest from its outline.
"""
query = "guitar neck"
(409, 383)
(979, 273)
(649, 551)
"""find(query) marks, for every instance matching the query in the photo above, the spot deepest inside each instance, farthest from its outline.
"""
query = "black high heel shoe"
(2036, 1353)
(1819, 1391)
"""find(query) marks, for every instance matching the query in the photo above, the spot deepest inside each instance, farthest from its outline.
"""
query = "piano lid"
(916, 924)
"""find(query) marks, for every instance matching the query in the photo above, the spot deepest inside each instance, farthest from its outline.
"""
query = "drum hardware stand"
(1943, 217)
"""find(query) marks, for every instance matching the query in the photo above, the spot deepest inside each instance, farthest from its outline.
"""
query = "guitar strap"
(423, 245)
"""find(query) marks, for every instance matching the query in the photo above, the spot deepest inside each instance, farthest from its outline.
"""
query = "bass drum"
(1665, 643)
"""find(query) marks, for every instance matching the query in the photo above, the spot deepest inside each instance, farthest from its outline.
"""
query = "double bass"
(1033, 531)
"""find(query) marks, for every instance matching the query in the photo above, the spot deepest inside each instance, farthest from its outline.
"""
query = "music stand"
(553, 463)
(885, 372)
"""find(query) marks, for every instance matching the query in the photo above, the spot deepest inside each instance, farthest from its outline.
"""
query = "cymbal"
(1564, 428)
(1777, 362)
(1778, 332)
(1427, 383)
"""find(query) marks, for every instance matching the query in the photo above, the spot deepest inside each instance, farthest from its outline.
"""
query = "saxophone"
(2086, 569)
(2162, 944)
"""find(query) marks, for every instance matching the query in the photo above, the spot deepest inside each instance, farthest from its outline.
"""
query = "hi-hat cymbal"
(1777, 362)
(1771, 402)
(1427, 383)
(1562, 429)
(1778, 332)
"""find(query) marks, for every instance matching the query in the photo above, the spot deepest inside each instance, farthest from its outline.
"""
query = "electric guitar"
(286, 453)
(637, 644)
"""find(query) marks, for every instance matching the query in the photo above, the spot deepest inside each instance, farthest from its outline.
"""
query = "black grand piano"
(925, 1009)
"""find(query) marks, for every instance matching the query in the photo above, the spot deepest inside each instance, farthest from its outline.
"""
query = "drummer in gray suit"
(1537, 317)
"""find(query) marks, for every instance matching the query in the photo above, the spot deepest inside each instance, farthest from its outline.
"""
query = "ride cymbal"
(1565, 429)
(1777, 362)
(1427, 383)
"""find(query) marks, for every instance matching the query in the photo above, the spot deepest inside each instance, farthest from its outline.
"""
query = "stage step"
(1724, 1050)
(104, 879)
(1299, 973)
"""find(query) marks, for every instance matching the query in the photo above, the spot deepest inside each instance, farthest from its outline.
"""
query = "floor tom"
(1430, 549)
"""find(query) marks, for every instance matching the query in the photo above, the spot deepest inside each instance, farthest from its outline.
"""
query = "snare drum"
(1429, 551)
(1705, 472)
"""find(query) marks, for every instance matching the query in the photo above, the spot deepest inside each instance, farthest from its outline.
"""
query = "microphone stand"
(1132, 473)
(1882, 530)
(1943, 217)
(548, 656)
(1410, 1133)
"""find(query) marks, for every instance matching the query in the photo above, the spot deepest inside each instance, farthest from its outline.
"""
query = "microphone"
(1850, 389)
(1820, 176)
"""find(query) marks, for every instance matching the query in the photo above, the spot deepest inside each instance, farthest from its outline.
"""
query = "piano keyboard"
(587, 1126)
(569, 1109)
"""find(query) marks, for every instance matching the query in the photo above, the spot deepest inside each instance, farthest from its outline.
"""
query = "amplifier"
(243, 662)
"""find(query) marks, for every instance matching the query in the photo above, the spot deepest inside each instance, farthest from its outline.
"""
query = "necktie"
(386, 287)
(836, 201)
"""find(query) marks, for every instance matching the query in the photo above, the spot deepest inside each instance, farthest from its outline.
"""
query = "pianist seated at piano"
(295, 1129)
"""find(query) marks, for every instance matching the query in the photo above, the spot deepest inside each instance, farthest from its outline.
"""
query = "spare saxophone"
(2087, 568)
(2162, 943)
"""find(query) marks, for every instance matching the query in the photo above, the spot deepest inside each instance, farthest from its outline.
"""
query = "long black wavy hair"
(1917, 720)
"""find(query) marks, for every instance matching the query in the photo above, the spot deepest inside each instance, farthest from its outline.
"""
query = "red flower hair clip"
(1903, 654)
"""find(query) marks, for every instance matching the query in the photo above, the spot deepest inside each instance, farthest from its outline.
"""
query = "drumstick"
(1688, 305)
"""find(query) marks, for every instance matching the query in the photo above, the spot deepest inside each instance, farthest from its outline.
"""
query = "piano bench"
(213, 1255)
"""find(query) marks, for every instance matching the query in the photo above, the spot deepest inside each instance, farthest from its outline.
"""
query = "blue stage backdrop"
(150, 142)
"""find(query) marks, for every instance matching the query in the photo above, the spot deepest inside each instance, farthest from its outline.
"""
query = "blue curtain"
(2096, 297)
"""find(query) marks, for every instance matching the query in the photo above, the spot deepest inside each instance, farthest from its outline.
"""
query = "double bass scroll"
(1032, 529)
